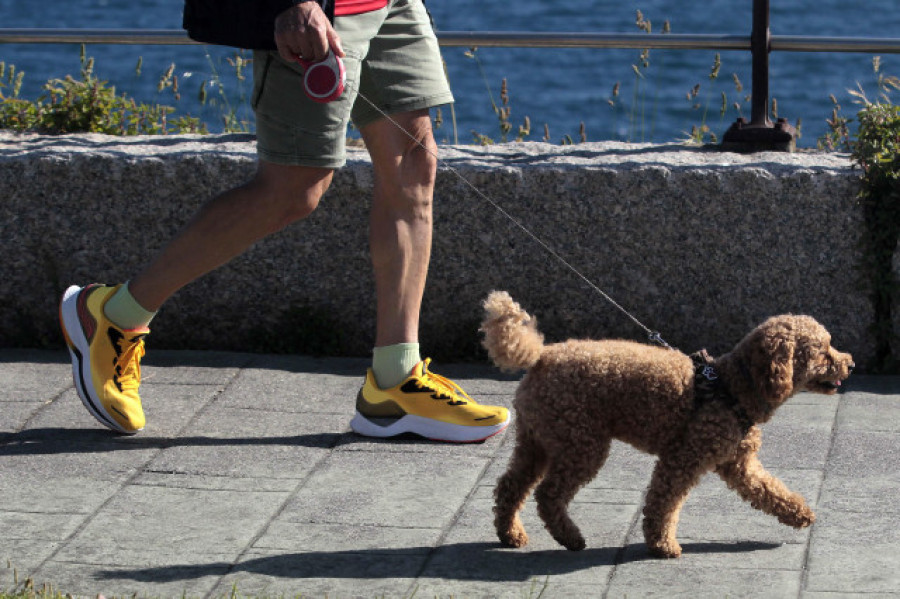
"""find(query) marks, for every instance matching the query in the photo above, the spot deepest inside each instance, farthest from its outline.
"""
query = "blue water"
(558, 87)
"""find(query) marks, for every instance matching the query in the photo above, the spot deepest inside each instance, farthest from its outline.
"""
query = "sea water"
(607, 94)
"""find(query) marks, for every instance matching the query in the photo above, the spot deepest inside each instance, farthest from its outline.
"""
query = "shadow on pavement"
(460, 561)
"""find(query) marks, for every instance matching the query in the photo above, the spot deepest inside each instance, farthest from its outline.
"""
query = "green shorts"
(392, 58)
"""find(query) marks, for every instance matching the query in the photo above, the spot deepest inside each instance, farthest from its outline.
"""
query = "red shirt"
(355, 7)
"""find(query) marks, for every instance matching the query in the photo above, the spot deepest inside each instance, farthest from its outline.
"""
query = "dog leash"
(653, 336)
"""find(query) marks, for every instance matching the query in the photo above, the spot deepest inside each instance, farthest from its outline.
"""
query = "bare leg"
(746, 475)
(526, 467)
(570, 469)
(228, 224)
(401, 222)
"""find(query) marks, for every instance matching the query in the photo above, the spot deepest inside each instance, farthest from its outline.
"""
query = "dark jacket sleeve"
(246, 24)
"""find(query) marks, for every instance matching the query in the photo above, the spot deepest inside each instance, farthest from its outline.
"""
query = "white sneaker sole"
(79, 350)
(425, 427)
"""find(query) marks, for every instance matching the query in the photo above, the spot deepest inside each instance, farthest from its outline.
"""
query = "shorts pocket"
(261, 68)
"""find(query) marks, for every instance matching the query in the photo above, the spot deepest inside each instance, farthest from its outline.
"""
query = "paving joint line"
(804, 574)
(623, 547)
(280, 510)
(445, 530)
(44, 406)
(129, 480)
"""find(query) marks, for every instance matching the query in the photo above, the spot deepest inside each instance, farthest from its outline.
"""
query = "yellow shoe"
(106, 360)
(428, 405)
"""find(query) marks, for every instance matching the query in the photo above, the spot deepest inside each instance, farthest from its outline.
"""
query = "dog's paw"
(513, 538)
(573, 544)
(667, 549)
(802, 518)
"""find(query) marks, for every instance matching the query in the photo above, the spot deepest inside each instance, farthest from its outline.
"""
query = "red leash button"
(324, 80)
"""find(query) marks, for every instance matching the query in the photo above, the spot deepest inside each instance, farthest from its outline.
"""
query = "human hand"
(303, 31)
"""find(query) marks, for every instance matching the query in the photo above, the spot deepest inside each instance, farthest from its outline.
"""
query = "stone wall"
(697, 244)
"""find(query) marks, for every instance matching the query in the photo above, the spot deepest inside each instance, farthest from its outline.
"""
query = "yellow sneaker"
(106, 360)
(428, 405)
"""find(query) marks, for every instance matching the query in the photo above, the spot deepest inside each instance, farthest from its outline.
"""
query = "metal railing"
(495, 39)
(760, 133)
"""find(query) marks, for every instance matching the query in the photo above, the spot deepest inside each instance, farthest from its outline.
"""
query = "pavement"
(248, 481)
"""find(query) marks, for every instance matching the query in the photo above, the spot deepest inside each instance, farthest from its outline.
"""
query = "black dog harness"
(708, 388)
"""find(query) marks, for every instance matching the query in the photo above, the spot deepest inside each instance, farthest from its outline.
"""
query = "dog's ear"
(773, 365)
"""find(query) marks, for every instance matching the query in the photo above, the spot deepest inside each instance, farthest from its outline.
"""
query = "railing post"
(760, 134)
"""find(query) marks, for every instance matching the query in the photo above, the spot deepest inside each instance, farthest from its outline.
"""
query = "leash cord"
(653, 336)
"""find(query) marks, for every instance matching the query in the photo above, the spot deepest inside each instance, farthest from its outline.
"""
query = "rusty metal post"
(760, 134)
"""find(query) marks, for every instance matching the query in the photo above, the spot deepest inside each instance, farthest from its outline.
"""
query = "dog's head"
(788, 354)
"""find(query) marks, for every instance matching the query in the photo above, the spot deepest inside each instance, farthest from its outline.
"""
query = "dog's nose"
(850, 367)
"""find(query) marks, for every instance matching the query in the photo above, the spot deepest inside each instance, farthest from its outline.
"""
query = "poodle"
(696, 414)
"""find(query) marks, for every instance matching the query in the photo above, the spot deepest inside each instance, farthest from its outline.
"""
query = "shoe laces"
(441, 383)
(128, 365)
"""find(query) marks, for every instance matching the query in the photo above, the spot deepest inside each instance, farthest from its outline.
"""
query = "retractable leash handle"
(324, 80)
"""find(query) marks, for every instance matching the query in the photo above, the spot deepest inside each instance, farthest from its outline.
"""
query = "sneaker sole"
(81, 368)
(425, 427)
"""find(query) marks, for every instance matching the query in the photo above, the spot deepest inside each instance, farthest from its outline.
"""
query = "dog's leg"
(526, 467)
(746, 475)
(675, 474)
(570, 468)
(672, 480)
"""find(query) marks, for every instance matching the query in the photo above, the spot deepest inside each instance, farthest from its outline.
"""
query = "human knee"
(419, 162)
(292, 194)
(410, 189)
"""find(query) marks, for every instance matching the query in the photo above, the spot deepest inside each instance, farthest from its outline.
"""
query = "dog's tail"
(510, 334)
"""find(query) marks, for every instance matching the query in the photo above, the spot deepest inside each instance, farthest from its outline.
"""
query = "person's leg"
(402, 76)
(106, 351)
(230, 223)
(418, 400)
(400, 222)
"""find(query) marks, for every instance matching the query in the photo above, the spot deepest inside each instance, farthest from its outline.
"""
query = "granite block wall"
(697, 244)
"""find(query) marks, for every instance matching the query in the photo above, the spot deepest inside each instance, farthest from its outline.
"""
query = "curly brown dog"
(578, 396)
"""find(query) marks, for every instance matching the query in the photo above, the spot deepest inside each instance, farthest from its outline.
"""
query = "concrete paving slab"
(15, 414)
(875, 493)
(192, 367)
(179, 522)
(168, 408)
(33, 375)
(855, 552)
(241, 443)
(869, 412)
(305, 536)
(93, 453)
(60, 494)
(530, 589)
(625, 469)
(248, 475)
(407, 490)
(299, 392)
(858, 453)
(21, 557)
(323, 574)
(474, 561)
(89, 580)
(37, 525)
(655, 578)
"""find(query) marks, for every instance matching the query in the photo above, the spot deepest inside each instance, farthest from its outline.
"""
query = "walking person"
(391, 57)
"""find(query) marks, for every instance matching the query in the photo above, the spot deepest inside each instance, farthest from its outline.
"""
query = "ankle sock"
(125, 312)
(393, 363)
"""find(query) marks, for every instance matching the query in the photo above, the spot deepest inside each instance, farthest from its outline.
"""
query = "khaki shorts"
(392, 58)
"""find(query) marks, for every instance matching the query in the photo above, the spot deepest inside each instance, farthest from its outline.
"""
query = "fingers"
(304, 31)
(334, 41)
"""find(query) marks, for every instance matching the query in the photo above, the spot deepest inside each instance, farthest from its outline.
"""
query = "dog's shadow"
(475, 561)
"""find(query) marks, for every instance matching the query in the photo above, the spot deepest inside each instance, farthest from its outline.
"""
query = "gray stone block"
(700, 244)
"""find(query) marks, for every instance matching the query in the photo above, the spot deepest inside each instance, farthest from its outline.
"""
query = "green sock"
(393, 363)
(124, 311)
